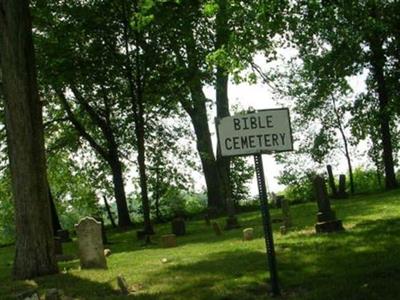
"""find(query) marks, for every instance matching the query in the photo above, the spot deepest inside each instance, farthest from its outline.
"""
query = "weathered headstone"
(123, 286)
(168, 240)
(286, 219)
(91, 250)
(331, 180)
(63, 234)
(327, 221)
(342, 194)
(248, 234)
(216, 228)
(178, 226)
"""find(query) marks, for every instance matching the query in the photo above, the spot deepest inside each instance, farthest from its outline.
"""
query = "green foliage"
(73, 189)
(368, 180)
(242, 172)
(7, 230)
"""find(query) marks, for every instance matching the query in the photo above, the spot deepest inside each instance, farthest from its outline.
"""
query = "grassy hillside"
(361, 263)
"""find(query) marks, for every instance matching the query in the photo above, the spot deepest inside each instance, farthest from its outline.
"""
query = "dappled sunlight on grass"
(360, 263)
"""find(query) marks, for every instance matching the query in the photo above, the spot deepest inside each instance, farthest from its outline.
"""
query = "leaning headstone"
(331, 180)
(123, 286)
(342, 194)
(207, 219)
(216, 228)
(286, 219)
(178, 226)
(63, 235)
(52, 294)
(168, 240)
(326, 217)
(91, 250)
(248, 234)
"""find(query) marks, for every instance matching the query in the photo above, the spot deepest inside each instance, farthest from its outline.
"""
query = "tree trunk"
(55, 221)
(221, 87)
(141, 158)
(34, 255)
(119, 191)
(346, 146)
(109, 213)
(378, 62)
(205, 149)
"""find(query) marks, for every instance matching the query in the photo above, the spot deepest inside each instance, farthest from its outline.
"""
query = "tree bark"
(119, 191)
(221, 87)
(346, 146)
(34, 254)
(199, 120)
(55, 221)
(378, 61)
(109, 154)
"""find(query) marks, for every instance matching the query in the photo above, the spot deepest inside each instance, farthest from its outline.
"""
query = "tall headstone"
(91, 250)
(326, 217)
(286, 219)
(342, 194)
(331, 180)
(178, 226)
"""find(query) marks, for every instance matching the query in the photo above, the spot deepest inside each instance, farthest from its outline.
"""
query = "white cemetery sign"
(263, 131)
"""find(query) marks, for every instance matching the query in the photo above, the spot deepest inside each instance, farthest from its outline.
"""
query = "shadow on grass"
(360, 264)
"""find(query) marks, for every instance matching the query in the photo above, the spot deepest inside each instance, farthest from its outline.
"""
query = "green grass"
(361, 263)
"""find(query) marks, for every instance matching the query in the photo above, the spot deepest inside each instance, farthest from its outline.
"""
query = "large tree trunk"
(199, 119)
(221, 87)
(378, 62)
(34, 254)
(119, 191)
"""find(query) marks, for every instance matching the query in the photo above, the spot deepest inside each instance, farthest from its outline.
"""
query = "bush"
(366, 181)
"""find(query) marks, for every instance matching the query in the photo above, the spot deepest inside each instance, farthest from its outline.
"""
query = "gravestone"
(168, 240)
(248, 234)
(326, 217)
(178, 226)
(331, 180)
(58, 250)
(342, 194)
(286, 219)
(123, 286)
(216, 228)
(90, 242)
(63, 234)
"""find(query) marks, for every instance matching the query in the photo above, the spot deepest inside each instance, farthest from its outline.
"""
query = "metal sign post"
(266, 219)
(263, 131)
